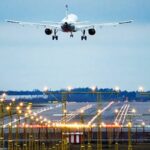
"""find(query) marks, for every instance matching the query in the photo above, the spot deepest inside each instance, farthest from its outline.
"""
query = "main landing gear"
(55, 37)
(83, 37)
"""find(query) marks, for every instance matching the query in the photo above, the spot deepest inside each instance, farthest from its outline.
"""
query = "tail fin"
(67, 10)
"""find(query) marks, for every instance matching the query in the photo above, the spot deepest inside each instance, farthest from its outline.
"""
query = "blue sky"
(115, 56)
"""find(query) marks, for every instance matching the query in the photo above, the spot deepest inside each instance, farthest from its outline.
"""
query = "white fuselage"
(68, 23)
(71, 18)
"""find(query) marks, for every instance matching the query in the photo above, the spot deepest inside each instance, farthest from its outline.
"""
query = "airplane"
(70, 24)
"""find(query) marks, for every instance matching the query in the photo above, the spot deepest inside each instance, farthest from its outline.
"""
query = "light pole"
(32, 131)
(99, 114)
(18, 111)
(25, 132)
(89, 137)
(31, 138)
(64, 118)
(142, 92)
(2, 122)
(117, 89)
(133, 111)
(99, 122)
(44, 131)
(38, 134)
(82, 146)
(129, 135)
(10, 141)
(143, 125)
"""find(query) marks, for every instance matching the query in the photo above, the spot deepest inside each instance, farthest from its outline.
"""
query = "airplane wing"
(45, 25)
(113, 24)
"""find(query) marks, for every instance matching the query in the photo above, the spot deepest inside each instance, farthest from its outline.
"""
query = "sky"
(120, 55)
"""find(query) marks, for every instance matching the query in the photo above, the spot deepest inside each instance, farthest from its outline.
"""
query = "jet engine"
(48, 31)
(92, 31)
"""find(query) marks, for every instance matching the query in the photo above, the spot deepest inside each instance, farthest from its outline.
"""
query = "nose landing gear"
(71, 35)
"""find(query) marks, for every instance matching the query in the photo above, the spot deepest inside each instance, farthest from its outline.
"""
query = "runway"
(109, 116)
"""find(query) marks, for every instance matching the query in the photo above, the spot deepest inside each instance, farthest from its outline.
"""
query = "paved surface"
(53, 112)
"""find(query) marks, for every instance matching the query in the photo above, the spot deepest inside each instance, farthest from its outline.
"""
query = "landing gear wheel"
(71, 35)
(54, 37)
(83, 38)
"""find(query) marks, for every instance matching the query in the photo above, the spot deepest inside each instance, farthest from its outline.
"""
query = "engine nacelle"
(92, 31)
(48, 31)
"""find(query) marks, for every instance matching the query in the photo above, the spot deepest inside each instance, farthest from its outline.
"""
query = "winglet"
(12, 21)
(130, 21)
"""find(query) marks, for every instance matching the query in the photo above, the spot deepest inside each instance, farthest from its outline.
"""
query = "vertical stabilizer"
(67, 11)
